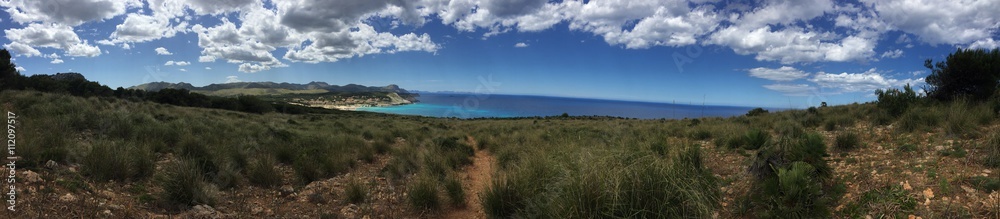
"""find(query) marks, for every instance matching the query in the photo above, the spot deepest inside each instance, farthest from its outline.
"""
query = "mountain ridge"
(156, 86)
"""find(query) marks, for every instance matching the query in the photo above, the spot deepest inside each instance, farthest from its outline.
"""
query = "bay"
(505, 106)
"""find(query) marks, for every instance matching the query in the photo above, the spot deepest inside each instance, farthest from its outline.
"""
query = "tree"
(972, 73)
(9, 77)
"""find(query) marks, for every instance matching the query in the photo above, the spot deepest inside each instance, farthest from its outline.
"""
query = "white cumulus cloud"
(233, 79)
(521, 45)
(784, 73)
(793, 89)
(162, 51)
(25, 40)
(892, 54)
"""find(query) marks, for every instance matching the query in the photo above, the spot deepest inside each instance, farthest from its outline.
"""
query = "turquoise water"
(495, 105)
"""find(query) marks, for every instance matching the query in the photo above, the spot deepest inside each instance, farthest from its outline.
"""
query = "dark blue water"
(497, 105)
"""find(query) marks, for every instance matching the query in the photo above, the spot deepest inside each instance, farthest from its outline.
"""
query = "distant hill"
(350, 88)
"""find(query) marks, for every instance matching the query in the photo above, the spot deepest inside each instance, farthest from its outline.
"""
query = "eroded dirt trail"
(475, 179)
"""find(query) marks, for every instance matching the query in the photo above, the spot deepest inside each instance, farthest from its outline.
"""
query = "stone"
(107, 194)
(67, 198)
(968, 189)
(287, 190)
(906, 186)
(31, 177)
(107, 213)
(929, 193)
(51, 164)
(204, 211)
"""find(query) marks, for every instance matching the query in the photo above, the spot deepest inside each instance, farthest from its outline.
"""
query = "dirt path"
(475, 178)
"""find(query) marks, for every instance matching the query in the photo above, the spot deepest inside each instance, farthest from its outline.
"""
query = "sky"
(769, 53)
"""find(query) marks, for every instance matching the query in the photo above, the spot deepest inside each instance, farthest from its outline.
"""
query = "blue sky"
(745, 53)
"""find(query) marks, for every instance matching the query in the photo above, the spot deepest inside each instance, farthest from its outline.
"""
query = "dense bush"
(757, 111)
(791, 179)
(973, 73)
(453, 187)
(423, 193)
(118, 161)
(894, 102)
(992, 151)
(355, 192)
(920, 119)
(261, 172)
(183, 185)
(964, 117)
(755, 139)
(847, 141)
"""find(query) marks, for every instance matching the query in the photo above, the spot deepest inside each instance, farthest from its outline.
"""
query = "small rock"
(107, 194)
(108, 213)
(906, 186)
(51, 164)
(987, 171)
(67, 198)
(204, 211)
(31, 177)
(287, 190)
(929, 193)
(967, 189)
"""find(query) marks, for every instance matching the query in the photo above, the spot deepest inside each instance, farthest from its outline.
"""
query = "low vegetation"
(169, 156)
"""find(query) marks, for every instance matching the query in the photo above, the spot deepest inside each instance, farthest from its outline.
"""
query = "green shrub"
(700, 134)
(756, 139)
(992, 151)
(423, 193)
(955, 151)
(847, 141)
(987, 184)
(456, 154)
(659, 148)
(889, 201)
(894, 102)
(756, 112)
(789, 179)
(197, 151)
(355, 192)
(963, 118)
(453, 187)
(796, 194)
(42, 145)
(183, 185)
(261, 172)
(907, 148)
(109, 160)
(920, 119)
(381, 147)
(789, 129)
(829, 125)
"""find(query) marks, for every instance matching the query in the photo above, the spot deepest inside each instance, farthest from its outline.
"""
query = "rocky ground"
(58, 191)
(936, 181)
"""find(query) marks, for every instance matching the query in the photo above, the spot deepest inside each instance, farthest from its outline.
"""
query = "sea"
(466, 105)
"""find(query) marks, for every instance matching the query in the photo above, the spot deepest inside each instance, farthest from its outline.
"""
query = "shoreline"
(350, 107)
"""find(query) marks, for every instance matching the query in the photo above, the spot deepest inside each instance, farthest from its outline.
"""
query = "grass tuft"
(355, 192)
(847, 141)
